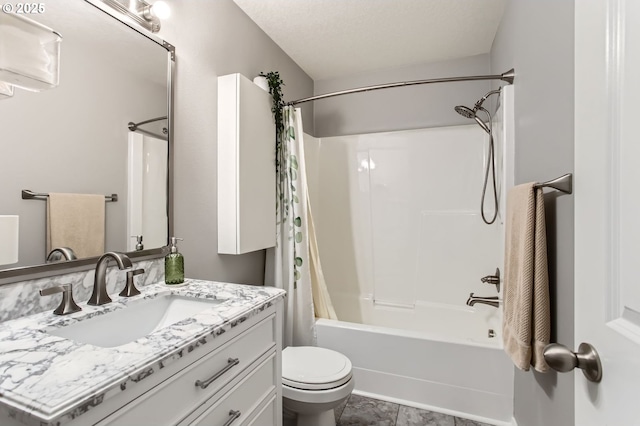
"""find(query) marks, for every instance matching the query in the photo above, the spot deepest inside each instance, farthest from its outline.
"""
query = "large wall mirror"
(76, 138)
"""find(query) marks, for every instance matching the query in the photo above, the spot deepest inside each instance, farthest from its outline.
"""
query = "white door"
(607, 207)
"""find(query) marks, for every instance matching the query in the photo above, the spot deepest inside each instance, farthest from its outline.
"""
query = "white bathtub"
(445, 363)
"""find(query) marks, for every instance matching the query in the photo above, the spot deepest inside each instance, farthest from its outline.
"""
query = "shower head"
(472, 113)
(465, 111)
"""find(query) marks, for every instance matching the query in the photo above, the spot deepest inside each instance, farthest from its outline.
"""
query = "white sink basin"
(138, 319)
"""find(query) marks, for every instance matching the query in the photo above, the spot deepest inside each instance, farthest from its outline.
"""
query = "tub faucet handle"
(493, 279)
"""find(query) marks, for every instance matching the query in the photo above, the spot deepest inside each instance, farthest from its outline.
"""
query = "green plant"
(275, 89)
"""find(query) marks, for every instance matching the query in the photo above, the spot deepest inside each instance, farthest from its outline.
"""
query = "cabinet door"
(246, 167)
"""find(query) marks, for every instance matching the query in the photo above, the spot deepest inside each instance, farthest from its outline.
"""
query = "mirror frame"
(24, 273)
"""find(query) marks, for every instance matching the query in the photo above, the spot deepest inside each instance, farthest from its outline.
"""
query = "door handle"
(562, 359)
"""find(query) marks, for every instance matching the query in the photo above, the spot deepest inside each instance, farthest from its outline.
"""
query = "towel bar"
(563, 183)
(30, 195)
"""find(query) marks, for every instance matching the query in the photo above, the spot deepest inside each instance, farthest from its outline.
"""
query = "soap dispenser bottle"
(174, 264)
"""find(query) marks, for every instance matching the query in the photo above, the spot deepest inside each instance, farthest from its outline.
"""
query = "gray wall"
(536, 38)
(411, 107)
(215, 38)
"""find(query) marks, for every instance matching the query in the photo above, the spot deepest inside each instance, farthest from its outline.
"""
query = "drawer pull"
(230, 363)
(234, 414)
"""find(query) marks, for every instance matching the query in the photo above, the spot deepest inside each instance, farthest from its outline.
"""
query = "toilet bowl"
(314, 382)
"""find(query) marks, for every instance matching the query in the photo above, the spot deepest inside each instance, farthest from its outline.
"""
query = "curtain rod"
(134, 128)
(505, 76)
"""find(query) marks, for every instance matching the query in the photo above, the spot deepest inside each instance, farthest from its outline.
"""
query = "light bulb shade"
(9, 225)
(161, 10)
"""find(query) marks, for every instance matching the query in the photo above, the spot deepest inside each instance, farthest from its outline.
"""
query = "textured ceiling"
(333, 38)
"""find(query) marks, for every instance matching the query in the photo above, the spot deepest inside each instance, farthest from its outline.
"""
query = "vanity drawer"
(242, 402)
(265, 415)
(198, 382)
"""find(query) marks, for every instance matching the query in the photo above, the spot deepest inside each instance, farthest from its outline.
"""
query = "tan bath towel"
(76, 221)
(526, 324)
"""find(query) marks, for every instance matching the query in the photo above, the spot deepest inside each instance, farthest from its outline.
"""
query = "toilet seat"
(314, 369)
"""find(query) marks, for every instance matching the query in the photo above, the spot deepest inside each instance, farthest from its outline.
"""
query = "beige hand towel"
(76, 221)
(526, 324)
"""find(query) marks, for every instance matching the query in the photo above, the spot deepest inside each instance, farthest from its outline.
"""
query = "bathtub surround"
(392, 235)
(22, 298)
(526, 323)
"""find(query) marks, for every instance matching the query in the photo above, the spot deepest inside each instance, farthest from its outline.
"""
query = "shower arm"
(505, 76)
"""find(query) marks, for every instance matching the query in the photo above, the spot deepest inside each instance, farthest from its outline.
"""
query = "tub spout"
(491, 301)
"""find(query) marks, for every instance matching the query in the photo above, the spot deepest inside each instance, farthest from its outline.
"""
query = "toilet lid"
(309, 367)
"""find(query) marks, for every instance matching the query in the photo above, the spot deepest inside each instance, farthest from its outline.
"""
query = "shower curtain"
(297, 268)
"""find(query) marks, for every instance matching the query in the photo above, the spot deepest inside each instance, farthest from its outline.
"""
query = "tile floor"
(360, 411)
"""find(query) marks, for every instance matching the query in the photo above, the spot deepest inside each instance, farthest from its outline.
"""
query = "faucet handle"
(67, 305)
(493, 279)
(130, 288)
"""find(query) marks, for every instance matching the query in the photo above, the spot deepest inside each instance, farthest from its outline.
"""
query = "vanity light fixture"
(144, 14)
(158, 10)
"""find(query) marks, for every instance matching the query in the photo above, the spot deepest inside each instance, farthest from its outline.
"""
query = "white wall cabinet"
(246, 167)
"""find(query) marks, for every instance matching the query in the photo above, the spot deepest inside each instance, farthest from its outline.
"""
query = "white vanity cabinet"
(218, 366)
(235, 383)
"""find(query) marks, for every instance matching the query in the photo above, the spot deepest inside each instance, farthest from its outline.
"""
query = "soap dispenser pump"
(174, 264)
(139, 245)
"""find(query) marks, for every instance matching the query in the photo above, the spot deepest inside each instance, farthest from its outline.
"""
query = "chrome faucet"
(61, 253)
(99, 295)
(491, 301)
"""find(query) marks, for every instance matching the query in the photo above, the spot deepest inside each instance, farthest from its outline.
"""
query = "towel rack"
(30, 195)
(563, 183)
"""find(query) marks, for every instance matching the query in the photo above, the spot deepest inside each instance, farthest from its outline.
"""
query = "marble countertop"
(50, 380)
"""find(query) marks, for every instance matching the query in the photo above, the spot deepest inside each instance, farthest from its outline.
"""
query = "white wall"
(215, 38)
(536, 38)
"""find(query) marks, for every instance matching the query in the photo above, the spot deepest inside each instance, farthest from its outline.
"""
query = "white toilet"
(314, 382)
